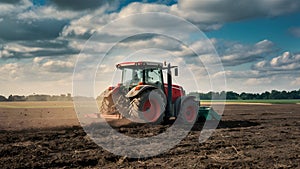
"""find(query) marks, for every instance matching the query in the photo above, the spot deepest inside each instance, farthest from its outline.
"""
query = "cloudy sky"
(40, 41)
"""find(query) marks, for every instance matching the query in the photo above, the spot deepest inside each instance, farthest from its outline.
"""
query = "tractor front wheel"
(107, 106)
(188, 111)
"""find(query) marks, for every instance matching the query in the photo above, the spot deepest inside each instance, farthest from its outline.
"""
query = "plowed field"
(249, 136)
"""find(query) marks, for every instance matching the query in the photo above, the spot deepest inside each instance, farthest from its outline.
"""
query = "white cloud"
(239, 74)
(58, 66)
(14, 8)
(152, 41)
(285, 62)
(281, 73)
(37, 75)
(87, 23)
(10, 71)
(15, 47)
(237, 54)
(296, 82)
(38, 60)
(5, 54)
(257, 81)
(135, 8)
(261, 64)
(50, 35)
(198, 13)
(37, 69)
(6, 8)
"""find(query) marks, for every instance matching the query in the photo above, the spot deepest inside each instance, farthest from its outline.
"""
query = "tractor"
(143, 96)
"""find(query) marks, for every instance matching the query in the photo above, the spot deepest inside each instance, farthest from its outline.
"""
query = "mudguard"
(108, 92)
(139, 89)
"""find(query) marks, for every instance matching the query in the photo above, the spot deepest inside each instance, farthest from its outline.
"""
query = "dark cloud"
(10, 1)
(43, 53)
(233, 54)
(51, 52)
(11, 29)
(240, 60)
(45, 43)
(232, 10)
(138, 37)
(86, 35)
(78, 5)
(98, 36)
(46, 48)
(165, 2)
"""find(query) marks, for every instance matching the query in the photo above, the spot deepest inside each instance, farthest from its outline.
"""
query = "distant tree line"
(37, 97)
(230, 95)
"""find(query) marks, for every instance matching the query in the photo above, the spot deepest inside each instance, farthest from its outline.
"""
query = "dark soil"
(249, 136)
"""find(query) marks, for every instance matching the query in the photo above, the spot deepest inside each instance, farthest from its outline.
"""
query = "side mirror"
(176, 71)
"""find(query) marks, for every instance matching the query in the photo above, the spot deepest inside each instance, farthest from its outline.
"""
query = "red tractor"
(143, 95)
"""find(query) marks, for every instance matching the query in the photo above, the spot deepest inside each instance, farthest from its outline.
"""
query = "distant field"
(69, 104)
(41, 104)
(293, 101)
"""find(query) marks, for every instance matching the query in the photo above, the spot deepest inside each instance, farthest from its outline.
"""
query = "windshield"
(131, 77)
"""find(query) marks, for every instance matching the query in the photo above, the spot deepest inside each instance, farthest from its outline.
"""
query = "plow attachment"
(208, 113)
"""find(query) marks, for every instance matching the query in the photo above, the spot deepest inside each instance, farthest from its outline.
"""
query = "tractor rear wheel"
(149, 107)
(188, 111)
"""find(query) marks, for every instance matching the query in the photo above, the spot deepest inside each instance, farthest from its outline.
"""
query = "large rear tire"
(149, 107)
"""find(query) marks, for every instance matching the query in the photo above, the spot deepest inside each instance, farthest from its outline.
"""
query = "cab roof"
(139, 64)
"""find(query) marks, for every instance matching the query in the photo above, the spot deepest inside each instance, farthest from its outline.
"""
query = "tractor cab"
(141, 73)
